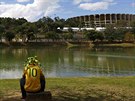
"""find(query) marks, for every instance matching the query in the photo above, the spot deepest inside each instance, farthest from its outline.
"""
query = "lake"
(69, 62)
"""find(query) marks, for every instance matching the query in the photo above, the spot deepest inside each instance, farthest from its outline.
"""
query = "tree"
(67, 36)
(128, 36)
(133, 27)
(2, 29)
(71, 23)
(109, 33)
(46, 20)
(52, 35)
(90, 35)
(9, 36)
(31, 31)
(46, 24)
(21, 21)
(120, 33)
(60, 22)
(99, 35)
(81, 25)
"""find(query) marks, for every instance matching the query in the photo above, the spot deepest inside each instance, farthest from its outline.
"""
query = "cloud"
(94, 6)
(108, 0)
(103, 5)
(31, 12)
(133, 4)
(79, 1)
(22, 0)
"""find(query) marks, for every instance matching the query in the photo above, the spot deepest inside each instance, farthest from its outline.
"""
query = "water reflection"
(74, 62)
(10, 74)
(65, 72)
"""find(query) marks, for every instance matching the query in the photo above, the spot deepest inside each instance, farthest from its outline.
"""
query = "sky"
(32, 10)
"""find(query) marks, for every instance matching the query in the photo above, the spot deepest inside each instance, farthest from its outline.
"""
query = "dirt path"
(12, 96)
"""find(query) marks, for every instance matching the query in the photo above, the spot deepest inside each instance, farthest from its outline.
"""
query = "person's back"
(33, 74)
(33, 80)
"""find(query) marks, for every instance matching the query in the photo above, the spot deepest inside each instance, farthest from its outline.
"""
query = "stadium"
(101, 20)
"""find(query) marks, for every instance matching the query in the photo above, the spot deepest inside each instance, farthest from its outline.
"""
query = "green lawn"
(78, 89)
(120, 45)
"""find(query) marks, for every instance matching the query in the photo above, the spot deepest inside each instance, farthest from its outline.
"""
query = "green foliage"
(52, 35)
(11, 27)
(129, 36)
(120, 33)
(20, 27)
(60, 22)
(93, 35)
(110, 33)
(20, 21)
(72, 23)
(2, 29)
(46, 20)
(99, 36)
(115, 33)
(67, 36)
(133, 27)
(9, 36)
(47, 24)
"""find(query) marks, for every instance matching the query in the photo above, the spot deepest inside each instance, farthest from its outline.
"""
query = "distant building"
(75, 29)
(101, 20)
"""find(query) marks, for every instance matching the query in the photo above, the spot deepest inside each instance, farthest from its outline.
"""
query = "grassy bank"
(118, 45)
(69, 44)
(78, 89)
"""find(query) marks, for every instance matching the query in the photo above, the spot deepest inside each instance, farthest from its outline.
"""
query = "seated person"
(33, 80)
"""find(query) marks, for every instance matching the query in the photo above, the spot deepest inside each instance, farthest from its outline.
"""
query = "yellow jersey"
(32, 78)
